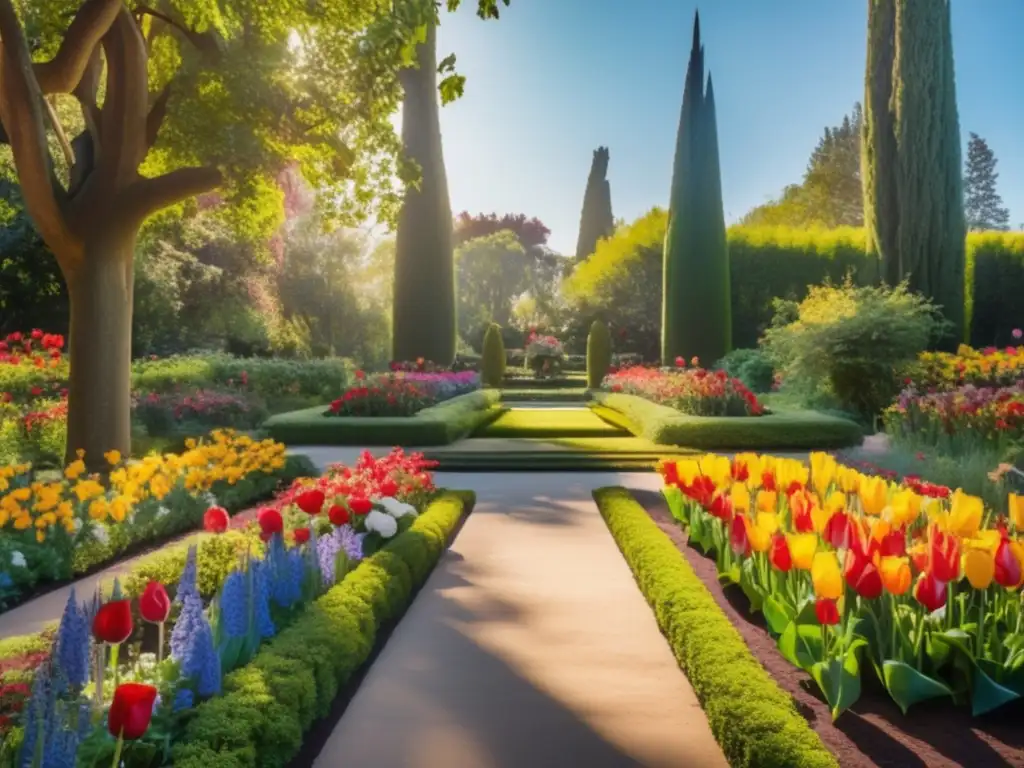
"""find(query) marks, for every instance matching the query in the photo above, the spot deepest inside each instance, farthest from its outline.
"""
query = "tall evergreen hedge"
(424, 293)
(596, 220)
(696, 305)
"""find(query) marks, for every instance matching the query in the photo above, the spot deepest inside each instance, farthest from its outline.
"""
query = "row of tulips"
(848, 569)
(694, 391)
(989, 367)
(99, 700)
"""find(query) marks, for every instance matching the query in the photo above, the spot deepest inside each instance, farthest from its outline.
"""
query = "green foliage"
(596, 219)
(750, 366)
(492, 364)
(268, 704)
(853, 342)
(438, 425)
(983, 206)
(913, 187)
(995, 283)
(696, 310)
(599, 354)
(785, 430)
(753, 720)
(491, 272)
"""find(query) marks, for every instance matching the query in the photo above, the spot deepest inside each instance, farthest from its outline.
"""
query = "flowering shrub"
(990, 367)
(401, 393)
(848, 568)
(544, 354)
(693, 391)
(960, 420)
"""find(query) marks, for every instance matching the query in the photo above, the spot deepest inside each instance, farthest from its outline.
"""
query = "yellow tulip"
(826, 576)
(718, 468)
(1017, 510)
(802, 547)
(769, 521)
(98, 509)
(760, 536)
(835, 502)
(849, 479)
(895, 573)
(906, 507)
(74, 470)
(874, 495)
(980, 567)
(752, 462)
(87, 489)
(119, 508)
(767, 501)
(823, 472)
(789, 471)
(20, 494)
(23, 521)
(740, 498)
(965, 515)
(113, 457)
(687, 469)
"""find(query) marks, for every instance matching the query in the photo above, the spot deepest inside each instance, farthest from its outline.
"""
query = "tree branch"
(65, 70)
(125, 104)
(157, 113)
(21, 112)
(204, 42)
(147, 196)
(62, 138)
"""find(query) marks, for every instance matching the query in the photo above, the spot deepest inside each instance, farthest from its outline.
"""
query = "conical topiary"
(492, 363)
(599, 354)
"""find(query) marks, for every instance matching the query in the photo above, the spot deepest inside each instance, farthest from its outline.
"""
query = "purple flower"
(342, 539)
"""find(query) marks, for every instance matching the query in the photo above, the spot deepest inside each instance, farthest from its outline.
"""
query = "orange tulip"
(895, 573)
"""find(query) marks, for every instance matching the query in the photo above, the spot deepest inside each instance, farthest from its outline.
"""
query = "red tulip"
(839, 531)
(270, 522)
(930, 592)
(301, 535)
(155, 605)
(721, 507)
(360, 505)
(337, 514)
(311, 502)
(215, 520)
(894, 544)
(862, 575)
(389, 487)
(944, 562)
(768, 481)
(738, 538)
(1008, 570)
(131, 710)
(113, 622)
(827, 611)
(779, 554)
(802, 504)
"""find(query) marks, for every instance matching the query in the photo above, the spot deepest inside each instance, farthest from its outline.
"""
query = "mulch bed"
(873, 732)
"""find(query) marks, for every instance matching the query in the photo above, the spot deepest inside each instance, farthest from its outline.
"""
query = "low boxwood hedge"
(438, 425)
(785, 430)
(268, 704)
(755, 722)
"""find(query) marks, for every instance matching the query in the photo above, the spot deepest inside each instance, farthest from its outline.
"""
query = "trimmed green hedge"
(269, 704)
(754, 721)
(804, 430)
(438, 425)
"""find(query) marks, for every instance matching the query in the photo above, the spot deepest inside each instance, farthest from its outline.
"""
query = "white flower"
(396, 508)
(162, 511)
(383, 524)
(18, 559)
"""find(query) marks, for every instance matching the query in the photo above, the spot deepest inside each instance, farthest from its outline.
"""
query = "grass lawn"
(549, 422)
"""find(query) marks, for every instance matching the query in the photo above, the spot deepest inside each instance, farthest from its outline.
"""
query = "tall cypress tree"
(913, 191)
(596, 221)
(696, 301)
(424, 293)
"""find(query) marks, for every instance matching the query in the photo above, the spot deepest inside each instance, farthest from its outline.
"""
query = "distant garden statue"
(544, 355)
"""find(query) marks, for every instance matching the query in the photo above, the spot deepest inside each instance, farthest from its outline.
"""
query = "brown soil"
(873, 732)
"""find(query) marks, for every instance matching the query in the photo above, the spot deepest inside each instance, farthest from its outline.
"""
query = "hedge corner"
(754, 721)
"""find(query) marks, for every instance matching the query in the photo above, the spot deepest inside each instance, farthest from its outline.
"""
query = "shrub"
(492, 364)
(751, 366)
(851, 341)
(599, 354)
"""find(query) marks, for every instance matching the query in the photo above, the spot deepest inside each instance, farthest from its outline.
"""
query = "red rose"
(131, 710)
(301, 535)
(311, 502)
(113, 622)
(215, 520)
(337, 514)
(155, 605)
(270, 522)
(827, 612)
(360, 505)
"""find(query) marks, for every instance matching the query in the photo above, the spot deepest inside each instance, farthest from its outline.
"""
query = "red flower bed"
(693, 391)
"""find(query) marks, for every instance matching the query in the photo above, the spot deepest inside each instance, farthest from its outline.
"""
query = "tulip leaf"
(749, 585)
(801, 644)
(778, 613)
(986, 693)
(936, 650)
(676, 503)
(866, 628)
(699, 533)
(957, 639)
(907, 686)
(839, 678)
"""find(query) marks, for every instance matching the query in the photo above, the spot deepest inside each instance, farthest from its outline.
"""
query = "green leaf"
(907, 686)
(749, 585)
(447, 64)
(801, 645)
(986, 693)
(839, 679)
(778, 613)
(676, 503)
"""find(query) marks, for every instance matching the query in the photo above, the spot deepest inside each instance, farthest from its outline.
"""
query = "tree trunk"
(99, 398)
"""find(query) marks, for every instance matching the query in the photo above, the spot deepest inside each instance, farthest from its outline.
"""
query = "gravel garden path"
(530, 645)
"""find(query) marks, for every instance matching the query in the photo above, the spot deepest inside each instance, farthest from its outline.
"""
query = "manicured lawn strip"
(543, 462)
(438, 425)
(551, 395)
(549, 422)
(269, 704)
(754, 721)
(785, 430)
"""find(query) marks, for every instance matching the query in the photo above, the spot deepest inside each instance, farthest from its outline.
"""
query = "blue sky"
(554, 79)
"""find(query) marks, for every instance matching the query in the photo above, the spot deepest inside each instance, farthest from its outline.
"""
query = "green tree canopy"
(491, 273)
(983, 205)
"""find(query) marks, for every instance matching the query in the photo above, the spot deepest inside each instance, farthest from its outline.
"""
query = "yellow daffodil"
(99, 509)
(802, 547)
(874, 495)
(965, 515)
(74, 470)
(87, 489)
(980, 567)
(826, 576)
(113, 458)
